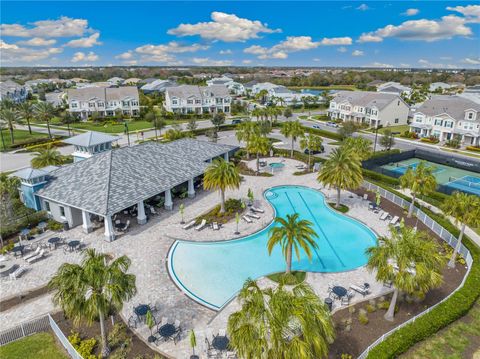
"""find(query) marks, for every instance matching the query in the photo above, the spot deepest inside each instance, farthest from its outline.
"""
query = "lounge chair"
(253, 215)
(256, 209)
(189, 224)
(246, 219)
(152, 210)
(28, 256)
(201, 225)
(125, 227)
(37, 257)
(394, 220)
(365, 196)
(222, 333)
(17, 273)
(215, 226)
(384, 216)
(360, 289)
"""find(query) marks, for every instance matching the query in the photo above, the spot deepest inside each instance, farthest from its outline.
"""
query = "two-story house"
(234, 87)
(371, 108)
(105, 102)
(197, 99)
(447, 116)
(10, 90)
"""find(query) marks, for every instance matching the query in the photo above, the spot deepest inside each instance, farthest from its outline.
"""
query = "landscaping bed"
(293, 278)
(232, 207)
(22, 298)
(342, 208)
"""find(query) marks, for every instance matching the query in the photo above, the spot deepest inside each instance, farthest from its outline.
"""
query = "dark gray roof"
(112, 181)
(90, 138)
(454, 106)
(366, 98)
(29, 173)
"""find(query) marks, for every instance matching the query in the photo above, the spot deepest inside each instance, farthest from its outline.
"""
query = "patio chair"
(189, 225)
(345, 300)
(246, 219)
(28, 256)
(360, 289)
(37, 257)
(384, 216)
(17, 273)
(394, 220)
(365, 196)
(132, 322)
(256, 209)
(201, 225)
(253, 215)
(222, 333)
(152, 210)
(215, 226)
(125, 228)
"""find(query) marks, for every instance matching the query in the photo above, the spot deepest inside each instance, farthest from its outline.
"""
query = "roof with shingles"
(454, 106)
(379, 100)
(90, 138)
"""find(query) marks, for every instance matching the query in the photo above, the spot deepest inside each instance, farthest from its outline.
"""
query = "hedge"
(380, 177)
(384, 153)
(473, 148)
(297, 155)
(323, 133)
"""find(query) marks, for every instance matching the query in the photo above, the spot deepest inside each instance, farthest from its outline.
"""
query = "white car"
(332, 124)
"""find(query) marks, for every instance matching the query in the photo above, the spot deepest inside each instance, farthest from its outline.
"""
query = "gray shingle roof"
(90, 138)
(454, 106)
(185, 91)
(104, 94)
(112, 181)
(29, 173)
(366, 98)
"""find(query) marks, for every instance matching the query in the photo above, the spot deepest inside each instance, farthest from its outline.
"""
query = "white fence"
(37, 325)
(436, 228)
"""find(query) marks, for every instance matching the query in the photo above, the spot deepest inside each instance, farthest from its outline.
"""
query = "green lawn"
(20, 136)
(400, 128)
(113, 128)
(37, 346)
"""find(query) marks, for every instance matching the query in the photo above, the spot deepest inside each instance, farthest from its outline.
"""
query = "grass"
(331, 87)
(401, 129)
(290, 279)
(20, 136)
(343, 208)
(453, 341)
(37, 346)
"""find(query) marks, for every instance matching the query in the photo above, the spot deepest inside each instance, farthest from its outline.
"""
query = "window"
(174, 102)
(197, 101)
(62, 211)
(190, 102)
(101, 104)
(73, 105)
(438, 122)
(470, 115)
(47, 206)
(91, 104)
(396, 120)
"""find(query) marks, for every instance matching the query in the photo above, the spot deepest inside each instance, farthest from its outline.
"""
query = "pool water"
(213, 272)
(276, 165)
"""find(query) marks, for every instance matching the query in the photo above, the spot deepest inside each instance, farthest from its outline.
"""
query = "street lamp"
(127, 133)
(376, 135)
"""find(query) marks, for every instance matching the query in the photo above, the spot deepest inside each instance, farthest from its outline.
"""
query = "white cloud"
(363, 7)
(411, 12)
(247, 62)
(357, 53)
(426, 30)
(404, 65)
(62, 27)
(379, 64)
(130, 62)
(125, 56)
(163, 52)
(470, 61)
(205, 61)
(342, 49)
(225, 27)
(14, 53)
(445, 57)
(471, 12)
(37, 41)
(81, 56)
(316, 59)
(225, 52)
(336, 41)
(427, 64)
(89, 41)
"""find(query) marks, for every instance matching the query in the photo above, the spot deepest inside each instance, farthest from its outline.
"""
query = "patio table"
(73, 245)
(167, 330)
(119, 225)
(220, 342)
(54, 241)
(42, 225)
(141, 309)
(18, 250)
(339, 291)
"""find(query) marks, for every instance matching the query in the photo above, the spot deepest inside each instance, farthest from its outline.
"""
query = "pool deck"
(147, 247)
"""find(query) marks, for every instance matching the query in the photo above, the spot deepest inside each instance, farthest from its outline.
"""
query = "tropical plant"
(410, 260)
(90, 290)
(387, 140)
(291, 234)
(280, 323)
(221, 175)
(465, 209)
(10, 117)
(287, 113)
(245, 132)
(311, 143)
(419, 181)
(217, 120)
(250, 195)
(262, 96)
(150, 322)
(47, 157)
(347, 129)
(342, 170)
(193, 341)
(260, 146)
(25, 110)
(293, 130)
(45, 111)
(192, 125)
(362, 147)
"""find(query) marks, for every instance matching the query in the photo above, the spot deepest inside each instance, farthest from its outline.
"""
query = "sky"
(241, 33)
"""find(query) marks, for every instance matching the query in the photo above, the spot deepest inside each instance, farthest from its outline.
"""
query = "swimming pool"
(273, 165)
(213, 272)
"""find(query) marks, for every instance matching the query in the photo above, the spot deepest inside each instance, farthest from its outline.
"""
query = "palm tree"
(359, 146)
(262, 95)
(25, 109)
(292, 233)
(280, 323)
(257, 112)
(311, 143)
(342, 170)
(47, 157)
(410, 260)
(221, 175)
(259, 145)
(419, 181)
(89, 291)
(10, 117)
(246, 131)
(293, 130)
(45, 112)
(465, 209)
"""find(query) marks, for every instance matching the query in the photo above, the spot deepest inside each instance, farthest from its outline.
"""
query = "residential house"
(103, 101)
(372, 108)
(116, 81)
(12, 91)
(197, 99)
(472, 89)
(158, 86)
(233, 86)
(262, 86)
(447, 116)
(132, 81)
(435, 86)
(283, 96)
(395, 88)
(56, 98)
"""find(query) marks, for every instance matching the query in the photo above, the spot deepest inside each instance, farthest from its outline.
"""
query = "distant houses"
(233, 86)
(186, 99)
(10, 90)
(158, 86)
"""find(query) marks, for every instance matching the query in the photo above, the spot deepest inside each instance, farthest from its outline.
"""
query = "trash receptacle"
(328, 302)
(66, 227)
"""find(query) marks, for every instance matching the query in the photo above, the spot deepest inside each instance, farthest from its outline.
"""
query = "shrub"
(379, 154)
(408, 134)
(431, 139)
(368, 174)
(30, 220)
(7, 248)
(232, 206)
(54, 225)
(363, 317)
(370, 308)
(84, 347)
(473, 148)
(324, 133)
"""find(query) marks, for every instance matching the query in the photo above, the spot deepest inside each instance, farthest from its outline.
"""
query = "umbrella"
(378, 198)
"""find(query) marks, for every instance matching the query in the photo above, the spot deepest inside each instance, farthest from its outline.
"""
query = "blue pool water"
(213, 272)
(276, 165)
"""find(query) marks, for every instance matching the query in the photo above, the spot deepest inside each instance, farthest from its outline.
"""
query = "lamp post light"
(127, 133)
(376, 136)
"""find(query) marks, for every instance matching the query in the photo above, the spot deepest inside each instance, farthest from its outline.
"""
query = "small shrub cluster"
(243, 169)
(84, 347)
(54, 225)
(372, 175)
(473, 148)
(363, 316)
(431, 139)
(409, 134)
(232, 206)
(342, 208)
(28, 221)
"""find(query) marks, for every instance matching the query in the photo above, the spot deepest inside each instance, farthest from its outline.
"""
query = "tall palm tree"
(311, 143)
(262, 95)
(419, 181)
(25, 110)
(47, 157)
(45, 111)
(245, 132)
(410, 260)
(221, 175)
(10, 117)
(90, 290)
(342, 170)
(280, 323)
(465, 209)
(259, 145)
(359, 146)
(257, 112)
(292, 233)
(293, 130)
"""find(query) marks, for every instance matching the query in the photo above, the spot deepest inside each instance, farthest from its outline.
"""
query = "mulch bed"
(22, 298)
(360, 336)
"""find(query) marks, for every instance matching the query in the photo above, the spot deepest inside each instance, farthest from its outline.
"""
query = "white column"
(109, 233)
(191, 188)
(141, 218)
(87, 224)
(168, 200)
(225, 156)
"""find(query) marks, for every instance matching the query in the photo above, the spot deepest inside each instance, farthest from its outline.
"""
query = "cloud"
(470, 61)
(81, 56)
(37, 41)
(89, 41)
(316, 59)
(336, 41)
(363, 7)
(357, 53)
(125, 56)
(404, 65)
(163, 52)
(410, 12)
(205, 61)
(225, 27)
(471, 12)
(427, 64)
(342, 49)
(15, 53)
(247, 62)
(425, 30)
(62, 27)
(225, 52)
(379, 64)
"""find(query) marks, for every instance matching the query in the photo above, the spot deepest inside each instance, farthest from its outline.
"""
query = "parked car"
(236, 121)
(316, 126)
(332, 124)
(322, 149)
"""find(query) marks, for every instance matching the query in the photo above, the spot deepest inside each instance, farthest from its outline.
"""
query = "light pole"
(376, 135)
(126, 131)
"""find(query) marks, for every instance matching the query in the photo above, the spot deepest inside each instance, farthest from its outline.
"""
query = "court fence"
(437, 229)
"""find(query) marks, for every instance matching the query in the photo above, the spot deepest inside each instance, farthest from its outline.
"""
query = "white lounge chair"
(17, 273)
(384, 216)
(31, 255)
(394, 220)
(201, 225)
(37, 257)
(152, 210)
(360, 289)
(215, 226)
(365, 196)
(246, 219)
(256, 209)
(189, 224)
(125, 227)
(253, 215)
